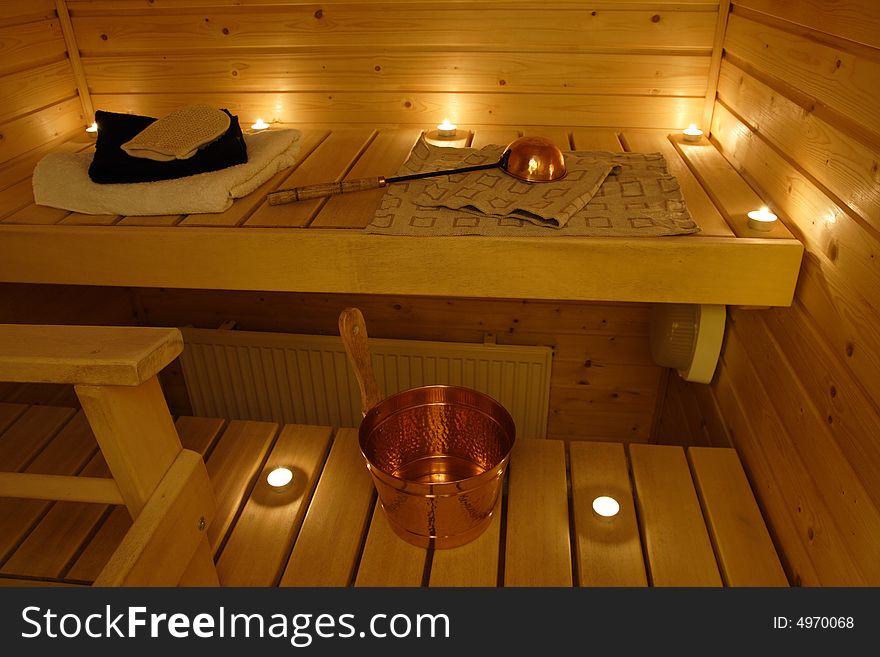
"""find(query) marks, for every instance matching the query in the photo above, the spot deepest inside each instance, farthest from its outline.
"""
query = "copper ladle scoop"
(533, 159)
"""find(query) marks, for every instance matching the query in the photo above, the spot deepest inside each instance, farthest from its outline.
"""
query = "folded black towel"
(111, 164)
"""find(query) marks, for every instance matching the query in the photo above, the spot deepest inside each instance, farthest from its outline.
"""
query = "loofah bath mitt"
(180, 134)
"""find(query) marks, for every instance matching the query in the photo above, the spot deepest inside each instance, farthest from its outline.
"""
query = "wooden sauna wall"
(604, 384)
(563, 62)
(39, 105)
(798, 112)
(59, 304)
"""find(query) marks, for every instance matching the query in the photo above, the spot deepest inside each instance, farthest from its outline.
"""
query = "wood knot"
(833, 392)
(225, 31)
(319, 14)
(377, 68)
(104, 37)
(850, 348)
(655, 18)
(502, 82)
(407, 104)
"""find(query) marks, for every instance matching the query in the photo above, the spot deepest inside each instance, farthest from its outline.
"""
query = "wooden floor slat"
(27, 436)
(327, 530)
(263, 536)
(742, 543)
(472, 564)
(388, 560)
(61, 534)
(233, 467)
(338, 515)
(671, 519)
(67, 454)
(537, 516)
(609, 550)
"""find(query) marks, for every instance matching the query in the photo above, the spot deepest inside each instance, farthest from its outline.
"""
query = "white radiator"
(307, 379)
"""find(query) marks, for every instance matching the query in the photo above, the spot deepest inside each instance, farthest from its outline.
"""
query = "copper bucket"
(437, 454)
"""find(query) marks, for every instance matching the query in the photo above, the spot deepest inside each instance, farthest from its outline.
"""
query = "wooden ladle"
(533, 159)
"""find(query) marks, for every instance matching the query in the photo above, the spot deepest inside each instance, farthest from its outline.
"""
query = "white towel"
(61, 180)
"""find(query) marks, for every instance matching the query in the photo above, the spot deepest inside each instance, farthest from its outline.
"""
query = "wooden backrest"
(165, 487)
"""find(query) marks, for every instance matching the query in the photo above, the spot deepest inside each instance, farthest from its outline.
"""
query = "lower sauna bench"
(687, 517)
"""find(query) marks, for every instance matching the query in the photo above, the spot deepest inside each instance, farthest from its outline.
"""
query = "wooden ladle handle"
(307, 192)
(353, 332)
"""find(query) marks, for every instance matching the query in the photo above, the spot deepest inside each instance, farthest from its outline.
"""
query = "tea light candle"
(93, 127)
(446, 129)
(279, 478)
(692, 133)
(260, 125)
(605, 506)
(762, 219)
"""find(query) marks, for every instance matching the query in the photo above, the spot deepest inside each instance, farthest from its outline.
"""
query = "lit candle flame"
(260, 125)
(447, 125)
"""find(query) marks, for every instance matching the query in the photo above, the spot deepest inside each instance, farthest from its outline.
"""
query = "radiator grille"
(307, 379)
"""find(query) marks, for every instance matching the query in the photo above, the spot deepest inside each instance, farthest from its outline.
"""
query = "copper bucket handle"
(353, 331)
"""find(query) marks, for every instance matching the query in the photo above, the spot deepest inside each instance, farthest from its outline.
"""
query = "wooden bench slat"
(338, 515)
(330, 161)
(596, 139)
(727, 189)
(609, 550)
(383, 157)
(263, 535)
(233, 467)
(537, 516)
(488, 136)
(388, 560)
(242, 208)
(91, 355)
(673, 530)
(745, 551)
(472, 564)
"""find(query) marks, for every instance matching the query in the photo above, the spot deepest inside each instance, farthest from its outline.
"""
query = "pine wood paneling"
(603, 383)
(30, 45)
(843, 80)
(35, 129)
(825, 229)
(846, 166)
(796, 114)
(851, 19)
(379, 106)
(27, 91)
(516, 72)
(636, 64)
(393, 26)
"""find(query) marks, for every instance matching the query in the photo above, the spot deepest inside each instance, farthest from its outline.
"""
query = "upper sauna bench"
(320, 245)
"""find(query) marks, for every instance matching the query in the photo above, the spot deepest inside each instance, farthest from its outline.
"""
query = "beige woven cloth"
(602, 194)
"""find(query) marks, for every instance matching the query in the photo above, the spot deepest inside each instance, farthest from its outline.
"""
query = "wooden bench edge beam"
(88, 355)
